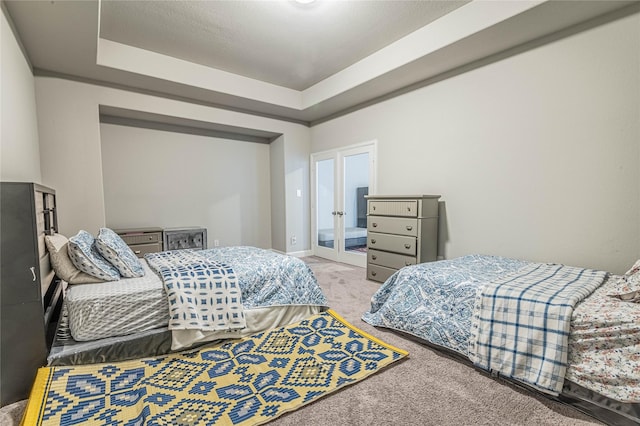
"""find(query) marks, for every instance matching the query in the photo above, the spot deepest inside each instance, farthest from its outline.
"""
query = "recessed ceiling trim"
(146, 120)
(37, 72)
(455, 26)
(140, 61)
(61, 39)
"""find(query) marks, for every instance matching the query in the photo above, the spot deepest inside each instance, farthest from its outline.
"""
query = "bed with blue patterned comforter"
(267, 278)
(446, 303)
(276, 289)
(434, 301)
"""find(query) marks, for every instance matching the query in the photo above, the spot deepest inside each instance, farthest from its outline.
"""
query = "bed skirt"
(67, 351)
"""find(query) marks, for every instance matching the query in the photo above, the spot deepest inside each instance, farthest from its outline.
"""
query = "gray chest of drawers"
(401, 231)
(142, 240)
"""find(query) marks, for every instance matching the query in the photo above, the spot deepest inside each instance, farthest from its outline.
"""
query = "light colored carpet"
(427, 388)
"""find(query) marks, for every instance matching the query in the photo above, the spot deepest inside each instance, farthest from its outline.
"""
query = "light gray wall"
(296, 168)
(278, 198)
(168, 179)
(19, 149)
(536, 156)
(70, 140)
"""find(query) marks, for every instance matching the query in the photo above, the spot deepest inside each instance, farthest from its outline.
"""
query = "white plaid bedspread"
(203, 294)
(521, 322)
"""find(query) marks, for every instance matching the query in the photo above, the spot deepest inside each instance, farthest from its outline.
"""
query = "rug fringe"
(39, 391)
(365, 334)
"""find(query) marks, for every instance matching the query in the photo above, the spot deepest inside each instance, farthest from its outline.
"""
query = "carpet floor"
(427, 388)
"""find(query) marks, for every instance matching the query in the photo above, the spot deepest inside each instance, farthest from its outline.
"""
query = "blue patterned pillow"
(84, 255)
(118, 253)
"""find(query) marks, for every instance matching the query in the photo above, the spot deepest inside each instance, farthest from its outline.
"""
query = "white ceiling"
(304, 63)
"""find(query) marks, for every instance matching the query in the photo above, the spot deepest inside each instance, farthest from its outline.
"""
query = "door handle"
(33, 272)
(340, 213)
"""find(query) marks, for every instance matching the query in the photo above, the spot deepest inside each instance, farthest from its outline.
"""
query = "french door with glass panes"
(340, 179)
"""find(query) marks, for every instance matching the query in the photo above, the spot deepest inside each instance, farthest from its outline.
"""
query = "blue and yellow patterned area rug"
(248, 381)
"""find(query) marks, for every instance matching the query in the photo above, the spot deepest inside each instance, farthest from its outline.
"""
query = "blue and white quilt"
(434, 301)
(234, 277)
(203, 294)
(438, 302)
(273, 290)
(267, 278)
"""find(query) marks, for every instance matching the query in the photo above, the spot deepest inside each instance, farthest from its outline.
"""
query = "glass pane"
(324, 203)
(356, 186)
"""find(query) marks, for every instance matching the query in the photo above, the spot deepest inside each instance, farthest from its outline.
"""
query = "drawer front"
(379, 273)
(185, 240)
(406, 208)
(395, 243)
(151, 237)
(393, 225)
(390, 260)
(141, 249)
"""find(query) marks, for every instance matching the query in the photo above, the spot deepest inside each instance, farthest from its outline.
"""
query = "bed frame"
(591, 403)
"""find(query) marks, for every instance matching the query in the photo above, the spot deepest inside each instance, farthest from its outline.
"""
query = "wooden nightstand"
(142, 240)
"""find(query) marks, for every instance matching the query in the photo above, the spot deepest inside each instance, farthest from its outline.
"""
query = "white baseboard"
(303, 253)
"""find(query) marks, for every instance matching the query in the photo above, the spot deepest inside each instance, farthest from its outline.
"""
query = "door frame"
(338, 253)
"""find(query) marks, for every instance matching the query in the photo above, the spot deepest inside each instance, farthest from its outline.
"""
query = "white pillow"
(57, 245)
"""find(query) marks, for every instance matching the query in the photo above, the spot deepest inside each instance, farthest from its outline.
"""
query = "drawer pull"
(33, 272)
(374, 257)
(374, 207)
(136, 252)
(373, 241)
(375, 225)
(408, 263)
(407, 246)
(374, 273)
(409, 227)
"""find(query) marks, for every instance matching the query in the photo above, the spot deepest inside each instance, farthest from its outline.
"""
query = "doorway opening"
(341, 179)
